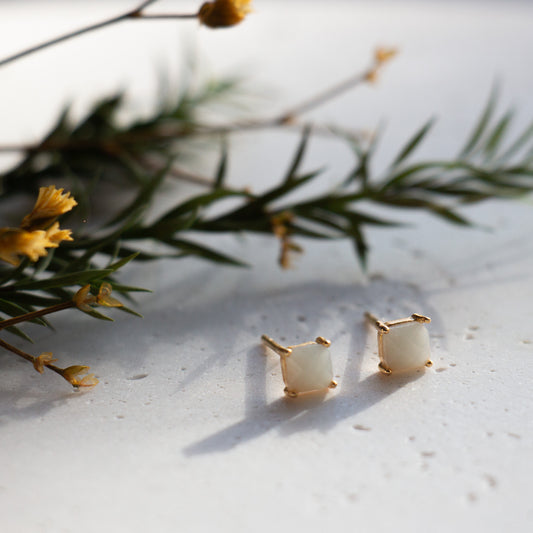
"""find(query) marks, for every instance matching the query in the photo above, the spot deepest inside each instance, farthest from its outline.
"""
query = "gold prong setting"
(290, 393)
(323, 341)
(305, 367)
(403, 344)
(383, 369)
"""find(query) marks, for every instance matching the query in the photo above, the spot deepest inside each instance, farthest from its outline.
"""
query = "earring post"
(273, 345)
(376, 322)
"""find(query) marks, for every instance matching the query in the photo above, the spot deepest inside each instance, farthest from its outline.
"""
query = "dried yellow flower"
(38, 230)
(288, 248)
(280, 223)
(56, 235)
(382, 55)
(50, 203)
(84, 299)
(104, 296)
(88, 381)
(15, 242)
(280, 227)
(372, 75)
(72, 375)
(43, 360)
(223, 13)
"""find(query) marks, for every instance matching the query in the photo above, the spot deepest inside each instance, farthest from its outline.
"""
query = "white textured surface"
(406, 347)
(188, 430)
(308, 368)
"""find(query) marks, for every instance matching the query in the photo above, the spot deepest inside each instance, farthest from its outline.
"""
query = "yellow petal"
(382, 55)
(15, 242)
(90, 380)
(50, 203)
(104, 296)
(72, 375)
(74, 370)
(56, 235)
(83, 299)
(43, 360)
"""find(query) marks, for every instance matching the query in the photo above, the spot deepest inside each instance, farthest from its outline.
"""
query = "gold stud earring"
(402, 344)
(305, 367)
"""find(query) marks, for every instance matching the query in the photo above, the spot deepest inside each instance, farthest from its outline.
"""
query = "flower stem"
(29, 357)
(36, 314)
(20, 353)
(134, 14)
(320, 98)
(162, 16)
(284, 120)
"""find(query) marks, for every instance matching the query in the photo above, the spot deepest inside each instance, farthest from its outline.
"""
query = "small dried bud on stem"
(280, 228)
(223, 13)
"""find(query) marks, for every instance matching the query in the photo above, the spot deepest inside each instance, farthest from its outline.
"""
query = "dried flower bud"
(288, 249)
(280, 223)
(43, 360)
(372, 75)
(104, 296)
(280, 227)
(84, 299)
(72, 375)
(223, 13)
(382, 54)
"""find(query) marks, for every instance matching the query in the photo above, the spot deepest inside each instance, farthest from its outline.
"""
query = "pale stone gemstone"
(406, 347)
(308, 368)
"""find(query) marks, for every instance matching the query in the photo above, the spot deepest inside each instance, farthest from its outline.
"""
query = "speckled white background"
(188, 430)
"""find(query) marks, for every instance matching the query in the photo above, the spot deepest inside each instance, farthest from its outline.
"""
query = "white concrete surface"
(189, 430)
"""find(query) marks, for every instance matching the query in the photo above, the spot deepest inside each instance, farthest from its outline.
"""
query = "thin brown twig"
(322, 97)
(135, 14)
(112, 146)
(176, 172)
(166, 16)
(29, 357)
(318, 99)
(36, 314)
(15, 350)
(284, 119)
(9, 148)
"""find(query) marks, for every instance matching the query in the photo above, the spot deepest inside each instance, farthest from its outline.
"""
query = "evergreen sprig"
(141, 158)
(98, 147)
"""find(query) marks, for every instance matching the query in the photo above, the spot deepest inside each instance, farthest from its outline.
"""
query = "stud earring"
(402, 344)
(304, 367)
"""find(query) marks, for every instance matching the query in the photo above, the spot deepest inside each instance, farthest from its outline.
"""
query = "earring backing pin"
(273, 345)
(376, 322)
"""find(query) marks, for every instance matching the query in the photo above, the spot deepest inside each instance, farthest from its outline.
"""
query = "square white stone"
(308, 368)
(406, 347)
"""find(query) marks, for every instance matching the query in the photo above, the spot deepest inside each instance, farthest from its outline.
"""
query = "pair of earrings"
(402, 345)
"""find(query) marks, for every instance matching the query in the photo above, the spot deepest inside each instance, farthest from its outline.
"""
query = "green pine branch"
(141, 158)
